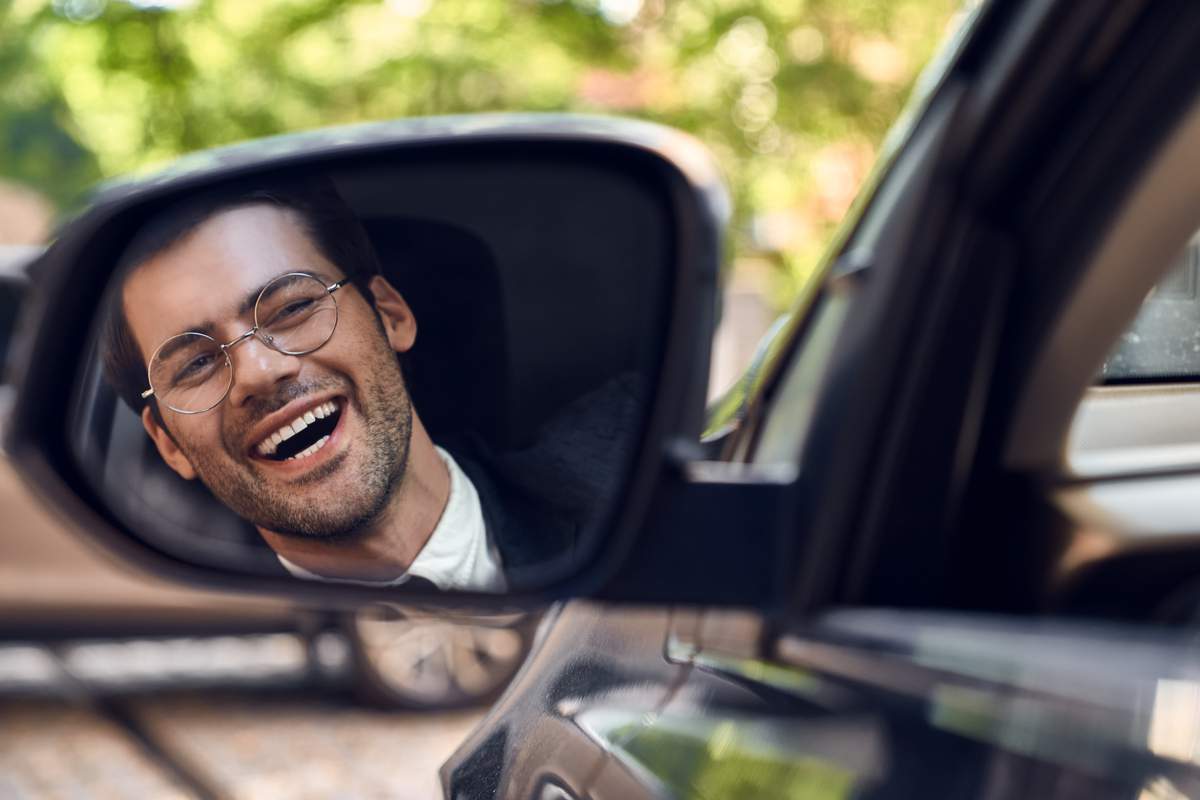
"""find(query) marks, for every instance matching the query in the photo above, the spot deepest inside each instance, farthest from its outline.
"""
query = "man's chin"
(331, 521)
(325, 505)
(322, 531)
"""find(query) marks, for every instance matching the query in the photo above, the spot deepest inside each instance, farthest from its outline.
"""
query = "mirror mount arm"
(716, 533)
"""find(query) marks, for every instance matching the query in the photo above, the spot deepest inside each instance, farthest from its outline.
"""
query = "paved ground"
(255, 732)
(53, 748)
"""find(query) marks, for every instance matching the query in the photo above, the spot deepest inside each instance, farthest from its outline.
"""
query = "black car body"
(964, 641)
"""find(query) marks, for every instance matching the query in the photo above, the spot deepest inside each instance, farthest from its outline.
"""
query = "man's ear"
(167, 448)
(398, 321)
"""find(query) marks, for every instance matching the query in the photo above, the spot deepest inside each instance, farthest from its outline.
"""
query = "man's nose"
(258, 369)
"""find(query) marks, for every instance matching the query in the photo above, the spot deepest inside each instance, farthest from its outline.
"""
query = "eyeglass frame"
(252, 332)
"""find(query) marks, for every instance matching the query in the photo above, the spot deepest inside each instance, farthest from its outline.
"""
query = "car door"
(923, 392)
(999, 625)
(927, 515)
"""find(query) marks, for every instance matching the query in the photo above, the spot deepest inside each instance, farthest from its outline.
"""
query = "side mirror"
(454, 355)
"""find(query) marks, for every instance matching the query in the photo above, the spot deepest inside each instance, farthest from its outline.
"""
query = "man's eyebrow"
(275, 284)
(252, 296)
(178, 342)
(248, 302)
(246, 306)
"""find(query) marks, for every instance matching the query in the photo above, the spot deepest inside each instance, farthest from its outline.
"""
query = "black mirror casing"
(655, 512)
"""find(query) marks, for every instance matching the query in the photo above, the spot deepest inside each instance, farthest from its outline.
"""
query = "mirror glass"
(422, 373)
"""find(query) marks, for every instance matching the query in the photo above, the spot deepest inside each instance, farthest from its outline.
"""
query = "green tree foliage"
(792, 95)
(37, 145)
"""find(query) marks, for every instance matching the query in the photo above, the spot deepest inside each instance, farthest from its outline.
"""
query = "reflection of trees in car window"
(1163, 343)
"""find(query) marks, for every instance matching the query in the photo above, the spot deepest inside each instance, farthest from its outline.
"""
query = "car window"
(1163, 343)
(783, 434)
(1143, 414)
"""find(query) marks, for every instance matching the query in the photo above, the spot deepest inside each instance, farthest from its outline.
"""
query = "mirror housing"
(666, 536)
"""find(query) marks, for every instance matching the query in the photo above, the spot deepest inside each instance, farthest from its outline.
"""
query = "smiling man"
(260, 344)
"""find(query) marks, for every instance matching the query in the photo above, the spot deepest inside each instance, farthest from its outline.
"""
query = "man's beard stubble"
(384, 407)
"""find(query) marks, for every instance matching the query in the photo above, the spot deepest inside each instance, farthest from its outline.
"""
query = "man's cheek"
(229, 442)
(210, 458)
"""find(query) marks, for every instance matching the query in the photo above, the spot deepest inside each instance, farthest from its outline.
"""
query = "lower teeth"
(310, 449)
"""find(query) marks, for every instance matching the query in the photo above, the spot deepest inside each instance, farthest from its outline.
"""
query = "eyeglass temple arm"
(147, 393)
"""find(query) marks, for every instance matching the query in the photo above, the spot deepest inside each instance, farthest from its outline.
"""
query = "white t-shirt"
(458, 555)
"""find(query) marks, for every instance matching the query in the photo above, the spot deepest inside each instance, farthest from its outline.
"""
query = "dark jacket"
(540, 503)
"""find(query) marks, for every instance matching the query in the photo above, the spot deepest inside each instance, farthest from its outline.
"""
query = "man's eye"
(196, 368)
(296, 309)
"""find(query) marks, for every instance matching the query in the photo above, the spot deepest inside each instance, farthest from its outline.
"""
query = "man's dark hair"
(335, 230)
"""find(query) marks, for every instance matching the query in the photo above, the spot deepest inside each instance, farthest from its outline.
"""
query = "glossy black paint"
(860, 703)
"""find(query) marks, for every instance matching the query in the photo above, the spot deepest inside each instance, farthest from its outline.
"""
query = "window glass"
(1145, 415)
(788, 423)
(1163, 344)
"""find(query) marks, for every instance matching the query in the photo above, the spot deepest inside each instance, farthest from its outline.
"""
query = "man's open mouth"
(304, 435)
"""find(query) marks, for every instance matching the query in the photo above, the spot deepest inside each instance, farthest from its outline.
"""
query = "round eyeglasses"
(295, 314)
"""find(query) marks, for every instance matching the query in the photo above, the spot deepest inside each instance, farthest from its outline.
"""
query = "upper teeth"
(268, 445)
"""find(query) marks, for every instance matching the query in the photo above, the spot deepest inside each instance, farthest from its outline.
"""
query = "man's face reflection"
(349, 395)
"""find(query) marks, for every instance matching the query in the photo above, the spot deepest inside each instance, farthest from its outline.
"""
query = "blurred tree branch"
(793, 96)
